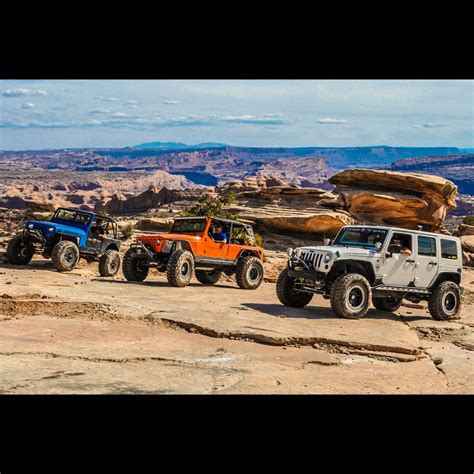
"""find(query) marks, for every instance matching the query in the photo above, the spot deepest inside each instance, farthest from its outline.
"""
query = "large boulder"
(279, 208)
(393, 198)
(467, 243)
(465, 229)
(149, 199)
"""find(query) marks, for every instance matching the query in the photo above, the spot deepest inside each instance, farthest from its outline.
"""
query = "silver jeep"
(385, 264)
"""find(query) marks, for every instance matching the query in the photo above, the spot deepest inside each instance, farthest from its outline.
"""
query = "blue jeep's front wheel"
(65, 256)
(19, 251)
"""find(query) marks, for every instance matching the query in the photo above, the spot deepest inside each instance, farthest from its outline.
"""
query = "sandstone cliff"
(393, 198)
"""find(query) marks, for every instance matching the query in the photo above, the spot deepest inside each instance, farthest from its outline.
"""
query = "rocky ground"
(80, 333)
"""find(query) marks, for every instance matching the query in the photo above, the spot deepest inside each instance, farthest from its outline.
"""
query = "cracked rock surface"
(80, 333)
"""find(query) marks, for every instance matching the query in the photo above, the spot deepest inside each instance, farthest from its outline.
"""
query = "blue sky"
(112, 113)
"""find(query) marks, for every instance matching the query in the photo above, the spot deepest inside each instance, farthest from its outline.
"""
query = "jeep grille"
(312, 259)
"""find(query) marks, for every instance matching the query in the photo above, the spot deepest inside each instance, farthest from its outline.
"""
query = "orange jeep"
(204, 246)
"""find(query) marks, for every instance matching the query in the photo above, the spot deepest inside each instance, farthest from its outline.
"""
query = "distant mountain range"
(177, 146)
(336, 158)
(211, 163)
(458, 168)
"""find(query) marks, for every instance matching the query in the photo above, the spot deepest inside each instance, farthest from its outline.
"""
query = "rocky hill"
(458, 168)
(210, 165)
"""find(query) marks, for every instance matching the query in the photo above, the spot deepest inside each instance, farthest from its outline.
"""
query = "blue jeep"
(68, 235)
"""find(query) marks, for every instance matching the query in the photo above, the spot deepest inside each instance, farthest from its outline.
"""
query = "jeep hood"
(44, 227)
(343, 251)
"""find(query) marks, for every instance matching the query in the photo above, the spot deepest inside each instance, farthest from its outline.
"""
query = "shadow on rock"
(313, 312)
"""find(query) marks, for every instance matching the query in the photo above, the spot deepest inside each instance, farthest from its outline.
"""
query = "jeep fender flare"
(248, 253)
(181, 244)
(352, 266)
(61, 236)
(446, 276)
(108, 246)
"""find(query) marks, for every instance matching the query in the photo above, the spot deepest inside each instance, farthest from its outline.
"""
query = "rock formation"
(149, 199)
(279, 208)
(393, 198)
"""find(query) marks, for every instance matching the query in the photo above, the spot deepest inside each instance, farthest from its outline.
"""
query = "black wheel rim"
(24, 251)
(253, 274)
(355, 297)
(450, 302)
(185, 268)
(69, 257)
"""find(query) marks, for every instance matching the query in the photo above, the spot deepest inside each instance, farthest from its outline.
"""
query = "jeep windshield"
(188, 226)
(360, 237)
(68, 217)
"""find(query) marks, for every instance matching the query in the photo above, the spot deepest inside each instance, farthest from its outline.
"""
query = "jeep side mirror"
(327, 241)
(394, 248)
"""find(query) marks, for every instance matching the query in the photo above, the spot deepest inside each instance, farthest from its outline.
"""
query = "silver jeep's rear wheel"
(445, 301)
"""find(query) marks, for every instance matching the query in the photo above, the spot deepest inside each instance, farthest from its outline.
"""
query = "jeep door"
(397, 269)
(212, 249)
(426, 258)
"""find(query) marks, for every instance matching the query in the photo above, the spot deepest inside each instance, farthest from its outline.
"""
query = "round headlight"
(50, 229)
(289, 251)
(298, 252)
(327, 258)
(30, 226)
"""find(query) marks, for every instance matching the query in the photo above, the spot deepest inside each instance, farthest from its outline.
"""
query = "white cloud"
(28, 105)
(22, 92)
(265, 119)
(328, 120)
(106, 99)
(119, 114)
(428, 125)
(131, 102)
(171, 102)
(100, 112)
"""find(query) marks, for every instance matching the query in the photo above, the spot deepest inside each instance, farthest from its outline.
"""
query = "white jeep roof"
(401, 229)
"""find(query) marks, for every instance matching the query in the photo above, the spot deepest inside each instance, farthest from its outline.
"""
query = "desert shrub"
(468, 220)
(208, 205)
(127, 231)
(258, 239)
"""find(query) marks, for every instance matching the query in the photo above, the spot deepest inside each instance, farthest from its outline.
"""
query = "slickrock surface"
(80, 333)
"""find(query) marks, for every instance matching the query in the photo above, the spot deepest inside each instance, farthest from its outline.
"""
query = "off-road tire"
(387, 303)
(132, 271)
(350, 296)
(286, 294)
(18, 252)
(65, 256)
(180, 268)
(109, 263)
(210, 277)
(445, 301)
(249, 273)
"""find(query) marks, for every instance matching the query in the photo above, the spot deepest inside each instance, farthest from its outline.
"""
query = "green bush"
(468, 220)
(208, 205)
(258, 239)
(127, 231)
